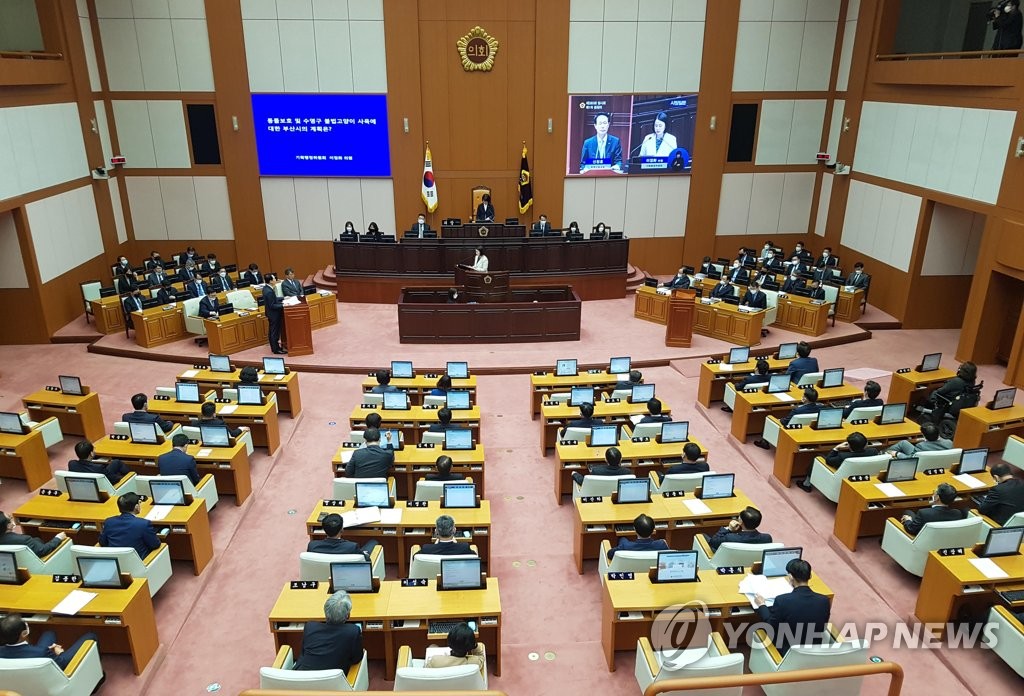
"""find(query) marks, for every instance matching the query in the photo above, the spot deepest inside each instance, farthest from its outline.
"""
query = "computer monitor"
(675, 431)
(220, 363)
(11, 423)
(1003, 398)
(186, 392)
(716, 486)
(460, 573)
(167, 492)
(901, 470)
(565, 368)
(457, 370)
(8, 568)
(739, 355)
(70, 385)
(458, 495)
(829, 419)
(82, 490)
(352, 577)
(581, 395)
(604, 436)
(778, 383)
(215, 435)
(396, 401)
(458, 439)
(100, 573)
(401, 369)
(1002, 541)
(641, 393)
(250, 395)
(892, 414)
(273, 366)
(634, 490)
(676, 566)
(457, 400)
(787, 351)
(395, 442)
(619, 366)
(372, 494)
(930, 362)
(973, 461)
(774, 561)
(832, 377)
(143, 433)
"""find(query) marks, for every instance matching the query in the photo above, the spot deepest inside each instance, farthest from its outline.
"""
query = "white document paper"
(769, 588)
(890, 489)
(73, 603)
(725, 367)
(989, 568)
(435, 651)
(969, 481)
(204, 452)
(346, 455)
(696, 506)
(784, 396)
(158, 512)
(359, 516)
(290, 301)
(636, 418)
(390, 515)
(228, 409)
(188, 374)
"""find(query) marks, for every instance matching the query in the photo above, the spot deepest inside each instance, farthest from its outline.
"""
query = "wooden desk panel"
(323, 309)
(233, 333)
(725, 322)
(413, 464)
(24, 457)
(849, 305)
(915, 387)
(158, 326)
(286, 389)
(983, 427)
(713, 378)
(78, 415)
(555, 418)
(541, 386)
(801, 315)
(752, 409)
(261, 420)
(650, 305)
(108, 314)
(415, 420)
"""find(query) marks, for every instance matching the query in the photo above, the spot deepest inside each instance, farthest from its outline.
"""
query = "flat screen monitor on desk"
(774, 561)
(675, 431)
(1003, 541)
(167, 492)
(250, 395)
(677, 566)
(892, 414)
(220, 363)
(738, 356)
(787, 351)
(458, 495)
(641, 393)
(1003, 398)
(581, 395)
(186, 392)
(401, 369)
(829, 419)
(619, 366)
(565, 368)
(82, 490)
(457, 400)
(396, 442)
(716, 486)
(214, 435)
(352, 577)
(11, 423)
(457, 370)
(604, 436)
(100, 573)
(901, 470)
(458, 439)
(778, 383)
(143, 433)
(372, 494)
(274, 366)
(930, 362)
(833, 377)
(8, 568)
(973, 461)
(461, 573)
(396, 401)
(70, 385)
(634, 490)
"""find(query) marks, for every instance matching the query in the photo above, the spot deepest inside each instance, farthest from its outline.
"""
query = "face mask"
(421, 221)
(223, 275)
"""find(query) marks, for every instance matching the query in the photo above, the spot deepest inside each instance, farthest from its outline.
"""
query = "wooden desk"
(188, 540)
(233, 333)
(77, 415)
(798, 448)
(849, 305)
(415, 420)
(24, 457)
(108, 313)
(752, 409)
(863, 508)
(556, 417)
(982, 427)
(415, 528)
(801, 314)
(542, 386)
(713, 378)
(286, 389)
(157, 326)
(383, 614)
(913, 388)
(132, 630)
(727, 323)
(420, 386)
(323, 309)
(413, 463)
(261, 420)
(650, 305)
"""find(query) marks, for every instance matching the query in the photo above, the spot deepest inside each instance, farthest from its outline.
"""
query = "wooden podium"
(489, 286)
(298, 328)
(679, 332)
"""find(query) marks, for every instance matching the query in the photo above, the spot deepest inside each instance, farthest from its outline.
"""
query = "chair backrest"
(126, 556)
(428, 565)
(952, 534)
(91, 290)
(24, 557)
(166, 391)
(682, 482)
(431, 490)
(559, 397)
(356, 436)
(436, 438)
(458, 678)
(242, 299)
(191, 306)
(477, 197)
(935, 459)
(303, 680)
(862, 412)
(801, 657)
(345, 488)
(434, 400)
(317, 566)
(706, 666)
(647, 429)
(735, 554)
(857, 466)
(192, 432)
(371, 398)
(101, 480)
(1016, 520)
(33, 675)
(601, 485)
(810, 379)
(831, 293)
(578, 434)
(620, 393)
(635, 561)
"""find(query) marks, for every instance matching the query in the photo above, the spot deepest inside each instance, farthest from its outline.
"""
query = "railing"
(950, 55)
(31, 55)
(894, 671)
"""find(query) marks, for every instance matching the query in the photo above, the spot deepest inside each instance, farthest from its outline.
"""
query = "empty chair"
(772, 311)
(436, 437)
(623, 394)
(40, 676)
(810, 379)
(636, 561)
(938, 459)
(411, 675)
(206, 489)
(912, 552)
(121, 428)
(356, 436)
(864, 413)
(729, 397)
(830, 482)
(1014, 452)
(773, 425)
(155, 568)
(317, 566)
(242, 299)
(229, 393)
(729, 553)
(831, 296)
(650, 430)
(194, 324)
(371, 398)
(677, 482)
(166, 391)
(714, 661)
(598, 485)
(559, 397)
(432, 490)
(578, 434)
(1016, 520)
(90, 292)
(283, 676)
(345, 488)
(765, 659)
(1007, 640)
(57, 562)
(125, 485)
(49, 427)
(428, 565)
(435, 400)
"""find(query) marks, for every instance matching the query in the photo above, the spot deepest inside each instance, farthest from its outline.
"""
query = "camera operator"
(1006, 20)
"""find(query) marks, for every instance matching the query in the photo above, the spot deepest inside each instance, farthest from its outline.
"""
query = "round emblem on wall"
(484, 232)
(487, 280)
(477, 50)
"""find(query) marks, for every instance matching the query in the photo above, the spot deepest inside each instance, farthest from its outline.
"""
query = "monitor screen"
(787, 351)
(565, 368)
(773, 561)
(604, 436)
(833, 378)
(11, 423)
(143, 433)
(930, 362)
(396, 401)
(458, 439)
(778, 383)
(717, 486)
(72, 386)
(250, 395)
(581, 395)
(618, 366)
(460, 573)
(273, 366)
(100, 572)
(372, 494)
(401, 369)
(82, 490)
(829, 418)
(901, 470)
(186, 392)
(1003, 541)
(739, 355)
(459, 495)
(892, 414)
(214, 435)
(973, 461)
(457, 370)
(352, 577)
(641, 393)
(677, 566)
(167, 492)
(8, 568)
(1003, 398)
(220, 363)
(676, 431)
(457, 400)
(634, 490)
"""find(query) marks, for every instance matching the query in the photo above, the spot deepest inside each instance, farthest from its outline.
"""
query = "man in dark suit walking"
(801, 614)
(14, 634)
(371, 461)
(335, 643)
(274, 307)
(333, 543)
(940, 511)
(141, 415)
(177, 462)
(129, 530)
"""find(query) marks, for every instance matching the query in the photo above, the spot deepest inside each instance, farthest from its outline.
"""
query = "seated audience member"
(707, 266)
(801, 253)
(802, 363)
(373, 232)
(858, 279)
(334, 643)
(333, 543)
(634, 378)
(141, 415)
(444, 421)
(178, 462)
(745, 256)
(754, 298)
(114, 470)
(154, 260)
(208, 411)
(816, 291)
(444, 543)
(793, 282)
(209, 306)
(767, 250)
(612, 466)
(542, 225)
(383, 383)
(189, 272)
(157, 277)
(871, 391)
(14, 635)
(574, 231)
(253, 275)
(1003, 501)
(643, 525)
(454, 296)
(419, 227)
(249, 375)
(856, 445)
(291, 286)
(741, 531)
(723, 289)
(654, 414)
(132, 303)
(760, 375)
(167, 294)
(197, 287)
(129, 530)
(190, 254)
(125, 283)
(443, 466)
(940, 511)
(797, 266)
(464, 650)
(736, 274)
(929, 442)
(350, 231)
(40, 548)
(212, 265)
(679, 281)
(826, 260)
(221, 281)
(586, 419)
(966, 375)
(373, 420)
(772, 263)
(800, 616)
(809, 404)
(122, 267)
(444, 385)
(693, 461)
(371, 461)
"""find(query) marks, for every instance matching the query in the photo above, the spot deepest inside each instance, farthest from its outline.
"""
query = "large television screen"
(631, 134)
(322, 134)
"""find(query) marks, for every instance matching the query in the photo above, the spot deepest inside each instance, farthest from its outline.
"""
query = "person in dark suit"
(612, 466)
(177, 462)
(420, 228)
(444, 421)
(940, 510)
(125, 283)
(485, 211)
(114, 470)
(858, 279)
(209, 306)
(197, 287)
(373, 233)
(333, 543)
(760, 375)
(754, 298)
(801, 614)
(253, 275)
(816, 292)
(222, 282)
(826, 260)
(1006, 20)
(654, 414)
(154, 260)
(190, 254)
(208, 411)
(40, 548)
(634, 378)
(737, 274)
(157, 277)
(383, 378)
(122, 267)
(643, 525)
(335, 643)
(796, 265)
(212, 265)
(801, 253)
(601, 149)
(189, 271)
(542, 226)
(586, 419)
(129, 530)
(723, 289)
(274, 308)
(679, 281)
(166, 294)
(141, 415)
(772, 263)
(871, 391)
(14, 635)
(443, 470)
(371, 461)
(809, 404)
(793, 283)
(1003, 501)
(965, 377)
(856, 445)
(693, 461)
(741, 531)
(706, 266)
(444, 543)
(802, 363)
(291, 287)
(132, 303)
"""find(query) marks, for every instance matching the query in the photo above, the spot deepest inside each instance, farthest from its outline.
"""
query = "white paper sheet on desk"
(390, 515)
(696, 506)
(725, 367)
(969, 481)
(636, 418)
(228, 409)
(188, 374)
(158, 512)
(784, 396)
(290, 301)
(988, 568)
(769, 588)
(73, 603)
(890, 489)
(206, 452)
(435, 651)
(359, 516)
(346, 455)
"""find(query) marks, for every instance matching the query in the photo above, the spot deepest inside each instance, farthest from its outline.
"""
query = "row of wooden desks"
(751, 409)
(285, 387)
(415, 420)
(261, 420)
(983, 427)
(542, 386)
(414, 463)
(420, 386)
(556, 416)
(714, 377)
(78, 415)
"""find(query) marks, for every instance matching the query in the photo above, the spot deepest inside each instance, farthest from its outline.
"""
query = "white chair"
(623, 394)
(730, 395)
(831, 296)
(428, 565)
(411, 675)
(765, 659)
(283, 676)
(1014, 453)
(624, 561)
(650, 430)
(49, 427)
(772, 313)
(166, 391)
(435, 400)
(714, 661)
(864, 412)
(125, 485)
(356, 436)
(773, 425)
(938, 459)
(371, 398)
(810, 379)
(729, 553)
(121, 428)
(345, 488)
(57, 562)
(1015, 520)
(242, 299)
(90, 292)
(578, 434)
(912, 552)
(205, 489)
(558, 397)
(1007, 640)
(40, 676)
(679, 482)
(317, 566)
(194, 433)
(435, 437)
(155, 568)
(830, 482)
(598, 485)
(193, 322)
(432, 490)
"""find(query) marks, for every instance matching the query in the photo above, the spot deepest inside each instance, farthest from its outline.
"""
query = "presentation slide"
(322, 134)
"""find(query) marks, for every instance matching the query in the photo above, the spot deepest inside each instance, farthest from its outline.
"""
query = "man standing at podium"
(274, 307)
(480, 262)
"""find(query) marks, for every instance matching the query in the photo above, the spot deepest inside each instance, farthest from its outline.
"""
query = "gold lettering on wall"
(477, 50)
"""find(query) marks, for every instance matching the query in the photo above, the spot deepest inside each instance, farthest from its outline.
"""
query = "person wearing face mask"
(166, 294)
(421, 227)
(1006, 20)
(253, 275)
(209, 306)
(767, 250)
(826, 260)
(125, 282)
(796, 265)
(132, 303)
(212, 265)
(793, 282)
(737, 274)
(154, 260)
(222, 281)
(801, 252)
(541, 227)
(188, 271)
(197, 287)
(122, 266)
(772, 263)
(574, 231)
(156, 278)
(349, 233)
(600, 231)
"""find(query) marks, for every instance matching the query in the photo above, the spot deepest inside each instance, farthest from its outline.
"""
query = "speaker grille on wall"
(742, 132)
(202, 128)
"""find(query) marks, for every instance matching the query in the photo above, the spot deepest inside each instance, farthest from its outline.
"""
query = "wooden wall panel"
(657, 255)
(305, 257)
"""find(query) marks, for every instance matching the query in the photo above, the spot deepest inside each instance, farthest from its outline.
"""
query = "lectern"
(679, 332)
(482, 286)
(298, 328)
